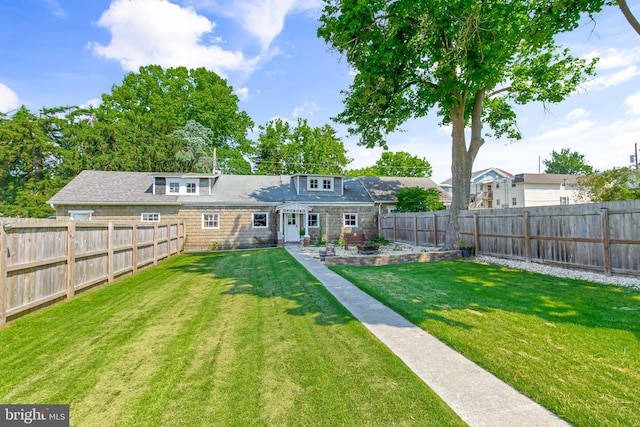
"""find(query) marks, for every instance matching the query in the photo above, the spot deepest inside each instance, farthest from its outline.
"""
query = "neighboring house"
(227, 211)
(531, 189)
(479, 179)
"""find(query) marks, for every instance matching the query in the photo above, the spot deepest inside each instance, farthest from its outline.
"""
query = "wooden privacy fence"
(603, 237)
(41, 261)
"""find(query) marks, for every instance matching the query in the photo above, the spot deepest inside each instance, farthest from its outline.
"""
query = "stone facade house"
(231, 211)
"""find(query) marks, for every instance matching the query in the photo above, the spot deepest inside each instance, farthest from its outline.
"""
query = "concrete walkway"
(477, 396)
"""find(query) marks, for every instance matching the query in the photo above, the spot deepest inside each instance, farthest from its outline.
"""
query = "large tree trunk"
(461, 164)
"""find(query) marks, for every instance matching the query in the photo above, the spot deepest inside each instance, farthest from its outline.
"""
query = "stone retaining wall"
(370, 260)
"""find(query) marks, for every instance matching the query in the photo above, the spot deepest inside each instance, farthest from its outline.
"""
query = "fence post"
(3, 276)
(71, 259)
(476, 232)
(604, 215)
(110, 237)
(526, 223)
(415, 229)
(435, 229)
(155, 244)
(134, 247)
(395, 234)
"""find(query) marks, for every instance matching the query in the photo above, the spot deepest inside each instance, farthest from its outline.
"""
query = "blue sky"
(69, 52)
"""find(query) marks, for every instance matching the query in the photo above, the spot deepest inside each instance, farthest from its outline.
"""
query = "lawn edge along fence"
(600, 237)
(46, 260)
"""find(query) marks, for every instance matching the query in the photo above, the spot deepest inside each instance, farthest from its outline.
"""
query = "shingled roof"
(383, 189)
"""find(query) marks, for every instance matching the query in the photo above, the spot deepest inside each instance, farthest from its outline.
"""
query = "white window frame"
(514, 201)
(253, 220)
(187, 186)
(327, 184)
(352, 216)
(150, 217)
(497, 202)
(183, 187)
(215, 220)
(564, 200)
(73, 213)
(170, 185)
(313, 184)
(317, 220)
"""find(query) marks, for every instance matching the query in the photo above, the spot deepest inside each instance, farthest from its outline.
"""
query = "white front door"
(291, 228)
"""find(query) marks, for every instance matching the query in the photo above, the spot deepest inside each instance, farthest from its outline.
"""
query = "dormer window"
(180, 186)
(320, 184)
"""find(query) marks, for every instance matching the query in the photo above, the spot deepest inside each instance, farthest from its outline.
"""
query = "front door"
(291, 228)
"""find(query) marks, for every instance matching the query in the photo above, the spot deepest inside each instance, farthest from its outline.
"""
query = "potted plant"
(465, 247)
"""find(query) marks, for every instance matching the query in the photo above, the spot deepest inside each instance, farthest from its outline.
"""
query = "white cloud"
(578, 113)
(92, 103)
(147, 32)
(264, 19)
(633, 103)
(8, 99)
(308, 108)
(615, 57)
(56, 9)
(604, 81)
(243, 93)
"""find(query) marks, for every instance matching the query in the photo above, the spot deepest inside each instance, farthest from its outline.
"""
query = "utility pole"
(636, 155)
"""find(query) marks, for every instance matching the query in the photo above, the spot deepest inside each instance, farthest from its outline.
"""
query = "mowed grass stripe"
(571, 345)
(241, 338)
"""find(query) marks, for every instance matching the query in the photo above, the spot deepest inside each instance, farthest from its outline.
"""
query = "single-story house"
(235, 211)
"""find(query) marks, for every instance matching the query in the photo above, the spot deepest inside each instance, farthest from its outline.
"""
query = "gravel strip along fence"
(562, 272)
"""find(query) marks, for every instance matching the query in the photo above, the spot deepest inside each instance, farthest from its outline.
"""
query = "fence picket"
(41, 260)
(602, 237)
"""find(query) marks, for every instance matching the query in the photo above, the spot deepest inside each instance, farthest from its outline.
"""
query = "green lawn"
(240, 338)
(573, 346)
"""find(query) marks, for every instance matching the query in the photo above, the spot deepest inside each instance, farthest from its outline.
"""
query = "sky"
(70, 52)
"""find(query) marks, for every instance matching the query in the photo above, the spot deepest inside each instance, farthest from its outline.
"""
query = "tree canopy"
(398, 163)
(29, 157)
(417, 199)
(567, 162)
(469, 60)
(610, 185)
(286, 149)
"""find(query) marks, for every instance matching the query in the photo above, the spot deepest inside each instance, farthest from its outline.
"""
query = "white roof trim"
(294, 208)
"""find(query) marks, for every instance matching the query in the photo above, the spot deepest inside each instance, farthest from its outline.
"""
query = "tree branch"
(627, 14)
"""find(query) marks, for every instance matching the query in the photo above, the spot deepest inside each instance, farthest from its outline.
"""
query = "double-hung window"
(350, 220)
(260, 220)
(174, 187)
(210, 220)
(314, 220)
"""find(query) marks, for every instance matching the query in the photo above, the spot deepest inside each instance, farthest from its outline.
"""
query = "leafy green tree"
(567, 162)
(284, 149)
(610, 185)
(470, 60)
(398, 163)
(417, 199)
(132, 129)
(29, 157)
(197, 153)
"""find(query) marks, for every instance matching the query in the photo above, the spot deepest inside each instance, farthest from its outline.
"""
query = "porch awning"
(294, 208)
